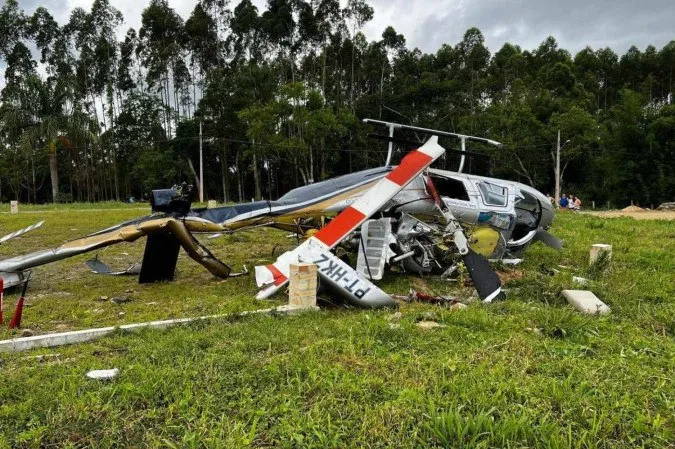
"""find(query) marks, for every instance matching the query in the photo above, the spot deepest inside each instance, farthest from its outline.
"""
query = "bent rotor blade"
(273, 277)
(20, 232)
(487, 283)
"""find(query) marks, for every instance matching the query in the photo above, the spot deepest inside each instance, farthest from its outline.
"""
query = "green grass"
(526, 372)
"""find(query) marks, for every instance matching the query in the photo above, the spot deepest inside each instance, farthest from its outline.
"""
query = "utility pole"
(558, 175)
(201, 165)
(557, 171)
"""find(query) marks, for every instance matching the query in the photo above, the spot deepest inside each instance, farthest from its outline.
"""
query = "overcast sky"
(427, 24)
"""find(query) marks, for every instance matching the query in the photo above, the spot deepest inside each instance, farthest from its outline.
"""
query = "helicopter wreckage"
(420, 219)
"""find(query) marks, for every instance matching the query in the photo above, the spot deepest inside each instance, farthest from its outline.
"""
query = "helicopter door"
(494, 196)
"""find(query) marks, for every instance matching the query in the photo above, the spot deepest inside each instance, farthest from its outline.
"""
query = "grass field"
(526, 372)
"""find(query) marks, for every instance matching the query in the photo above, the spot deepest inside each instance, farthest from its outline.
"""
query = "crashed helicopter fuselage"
(409, 227)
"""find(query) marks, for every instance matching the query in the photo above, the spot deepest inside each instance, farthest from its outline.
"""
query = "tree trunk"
(256, 178)
(192, 169)
(240, 190)
(269, 180)
(54, 173)
(224, 172)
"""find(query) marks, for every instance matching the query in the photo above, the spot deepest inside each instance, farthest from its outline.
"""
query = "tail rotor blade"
(484, 278)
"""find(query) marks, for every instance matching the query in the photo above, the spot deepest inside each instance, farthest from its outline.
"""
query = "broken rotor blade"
(21, 232)
(549, 239)
(487, 283)
(274, 276)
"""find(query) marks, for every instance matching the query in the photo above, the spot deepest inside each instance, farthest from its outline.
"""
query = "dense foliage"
(281, 93)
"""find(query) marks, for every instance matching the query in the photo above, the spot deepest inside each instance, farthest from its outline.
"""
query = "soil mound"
(632, 208)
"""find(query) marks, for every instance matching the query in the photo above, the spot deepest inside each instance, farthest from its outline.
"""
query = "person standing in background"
(564, 202)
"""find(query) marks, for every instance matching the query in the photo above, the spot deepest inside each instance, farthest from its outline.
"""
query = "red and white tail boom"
(316, 249)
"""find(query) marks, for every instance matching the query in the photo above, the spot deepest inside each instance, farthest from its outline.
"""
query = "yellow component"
(483, 240)
(310, 232)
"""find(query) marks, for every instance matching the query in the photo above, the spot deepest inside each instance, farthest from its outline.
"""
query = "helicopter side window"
(450, 188)
(493, 194)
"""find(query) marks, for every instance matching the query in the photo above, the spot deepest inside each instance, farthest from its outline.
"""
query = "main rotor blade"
(487, 283)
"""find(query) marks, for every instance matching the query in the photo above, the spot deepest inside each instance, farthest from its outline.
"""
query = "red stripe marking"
(340, 226)
(279, 277)
(409, 167)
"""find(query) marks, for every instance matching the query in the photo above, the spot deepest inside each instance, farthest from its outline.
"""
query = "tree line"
(280, 94)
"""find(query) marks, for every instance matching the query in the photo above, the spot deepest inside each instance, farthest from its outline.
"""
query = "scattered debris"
(428, 316)
(151, 303)
(579, 280)
(41, 357)
(103, 374)
(511, 262)
(395, 316)
(447, 274)
(586, 302)
(667, 206)
(558, 332)
(120, 299)
(429, 325)
(121, 314)
(98, 267)
(394, 326)
(27, 333)
(101, 298)
(534, 330)
(414, 295)
(97, 311)
(458, 306)
(548, 271)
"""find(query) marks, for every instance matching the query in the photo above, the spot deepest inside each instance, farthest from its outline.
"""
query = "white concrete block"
(598, 250)
(302, 285)
(586, 302)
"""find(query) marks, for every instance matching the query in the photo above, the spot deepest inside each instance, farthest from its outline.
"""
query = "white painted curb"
(66, 338)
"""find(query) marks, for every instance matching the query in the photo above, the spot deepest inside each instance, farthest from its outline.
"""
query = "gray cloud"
(574, 23)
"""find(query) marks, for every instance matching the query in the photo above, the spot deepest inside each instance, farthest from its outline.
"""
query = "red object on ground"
(18, 312)
(2, 289)
(16, 319)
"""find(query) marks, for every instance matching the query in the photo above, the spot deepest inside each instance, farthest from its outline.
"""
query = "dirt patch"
(512, 275)
(643, 214)
(632, 208)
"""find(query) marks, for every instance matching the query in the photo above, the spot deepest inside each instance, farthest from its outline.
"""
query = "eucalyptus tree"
(357, 13)
(162, 39)
(13, 23)
(246, 39)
